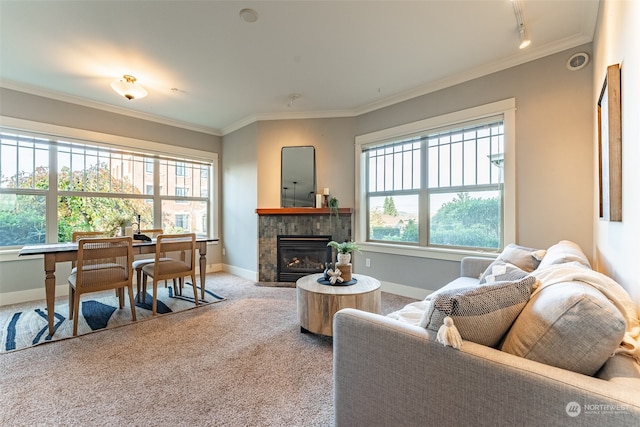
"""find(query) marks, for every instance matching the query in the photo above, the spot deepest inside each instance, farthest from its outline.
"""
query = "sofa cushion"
(570, 325)
(622, 370)
(526, 259)
(562, 252)
(481, 314)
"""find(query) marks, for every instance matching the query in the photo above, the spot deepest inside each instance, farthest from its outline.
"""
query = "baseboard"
(17, 297)
(404, 290)
(241, 272)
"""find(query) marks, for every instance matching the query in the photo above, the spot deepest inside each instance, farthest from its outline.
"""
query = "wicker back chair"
(77, 235)
(103, 263)
(163, 267)
(139, 263)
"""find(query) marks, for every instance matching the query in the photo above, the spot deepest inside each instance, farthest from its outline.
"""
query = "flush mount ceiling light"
(522, 28)
(128, 88)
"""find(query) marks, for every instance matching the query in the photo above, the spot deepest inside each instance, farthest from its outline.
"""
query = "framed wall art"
(610, 146)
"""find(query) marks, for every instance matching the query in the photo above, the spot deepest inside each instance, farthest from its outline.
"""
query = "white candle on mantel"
(318, 200)
(325, 191)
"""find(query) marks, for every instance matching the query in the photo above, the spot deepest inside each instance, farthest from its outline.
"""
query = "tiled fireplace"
(295, 222)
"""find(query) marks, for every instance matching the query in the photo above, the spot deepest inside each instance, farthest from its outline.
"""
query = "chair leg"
(132, 303)
(195, 288)
(144, 288)
(154, 303)
(76, 309)
(71, 293)
(120, 293)
(138, 282)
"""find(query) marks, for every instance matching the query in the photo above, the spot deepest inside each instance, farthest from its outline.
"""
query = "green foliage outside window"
(22, 217)
(467, 221)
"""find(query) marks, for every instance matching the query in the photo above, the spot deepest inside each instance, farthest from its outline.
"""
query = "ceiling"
(207, 69)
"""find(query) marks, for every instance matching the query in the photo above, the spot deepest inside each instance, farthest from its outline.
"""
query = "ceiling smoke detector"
(249, 15)
(577, 61)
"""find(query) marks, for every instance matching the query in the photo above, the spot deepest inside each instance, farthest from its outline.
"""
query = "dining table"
(54, 253)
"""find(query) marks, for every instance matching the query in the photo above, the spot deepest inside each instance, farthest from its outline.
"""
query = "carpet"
(25, 325)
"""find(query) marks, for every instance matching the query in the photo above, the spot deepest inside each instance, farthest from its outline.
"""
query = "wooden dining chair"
(139, 263)
(77, 235)
(165, 267)
(103, 263)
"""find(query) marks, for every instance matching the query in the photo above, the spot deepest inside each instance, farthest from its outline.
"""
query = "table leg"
(203, 267)
(50, 287)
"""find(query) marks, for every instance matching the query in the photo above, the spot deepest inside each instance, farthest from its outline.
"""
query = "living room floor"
(239, 362)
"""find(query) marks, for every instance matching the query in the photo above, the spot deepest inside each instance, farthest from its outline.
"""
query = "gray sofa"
(392, 373)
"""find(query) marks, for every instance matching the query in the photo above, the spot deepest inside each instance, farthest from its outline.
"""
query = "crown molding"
(63, 97)
(512, 61)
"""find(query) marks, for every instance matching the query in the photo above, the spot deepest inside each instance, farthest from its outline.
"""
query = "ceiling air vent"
(577, 61)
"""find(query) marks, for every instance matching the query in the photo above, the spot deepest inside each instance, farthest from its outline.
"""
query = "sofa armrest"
(474, 266)
(386, 372)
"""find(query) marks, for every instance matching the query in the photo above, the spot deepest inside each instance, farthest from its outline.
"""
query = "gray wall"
(26, 274)
(239, 192)
(554, 133)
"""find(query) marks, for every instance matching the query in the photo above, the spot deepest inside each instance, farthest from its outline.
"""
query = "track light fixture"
(522, 28)
(127, 87)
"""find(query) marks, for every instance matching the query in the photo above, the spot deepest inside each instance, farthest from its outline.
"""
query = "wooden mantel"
(301, 211)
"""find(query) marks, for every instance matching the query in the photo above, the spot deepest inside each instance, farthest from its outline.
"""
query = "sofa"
(400, 369)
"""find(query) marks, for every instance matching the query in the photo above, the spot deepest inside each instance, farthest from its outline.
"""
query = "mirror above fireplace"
(298, 182)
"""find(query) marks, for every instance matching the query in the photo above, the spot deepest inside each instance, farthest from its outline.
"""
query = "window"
(182, 221)
(438, 183)
(181, 170)
(92, 187)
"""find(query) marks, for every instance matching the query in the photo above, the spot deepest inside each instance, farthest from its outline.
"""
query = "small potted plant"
(333, 205)
(344, 250)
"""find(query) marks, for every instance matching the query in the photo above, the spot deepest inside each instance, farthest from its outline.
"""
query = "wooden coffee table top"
(365, 284)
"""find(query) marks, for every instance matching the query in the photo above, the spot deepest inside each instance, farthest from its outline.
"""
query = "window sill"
(422, 252)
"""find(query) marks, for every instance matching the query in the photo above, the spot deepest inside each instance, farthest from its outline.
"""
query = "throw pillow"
(500, 271)
(481, 314)
(526, 259)
(570, 325)
(562, 252)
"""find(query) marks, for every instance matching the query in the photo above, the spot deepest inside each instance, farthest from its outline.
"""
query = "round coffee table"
(317, 303)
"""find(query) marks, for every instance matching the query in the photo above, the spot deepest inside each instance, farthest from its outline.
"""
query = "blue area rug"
(25, 325)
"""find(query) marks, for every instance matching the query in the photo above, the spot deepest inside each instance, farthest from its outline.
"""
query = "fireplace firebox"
(299, 256)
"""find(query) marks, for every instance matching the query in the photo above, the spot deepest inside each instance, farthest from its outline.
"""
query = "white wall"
(617, 40)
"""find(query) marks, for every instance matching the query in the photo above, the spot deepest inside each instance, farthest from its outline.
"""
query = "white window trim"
(116, 141)
(507, 109)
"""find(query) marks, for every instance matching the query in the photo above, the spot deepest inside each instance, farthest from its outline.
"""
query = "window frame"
(109, 141)
(506, 108)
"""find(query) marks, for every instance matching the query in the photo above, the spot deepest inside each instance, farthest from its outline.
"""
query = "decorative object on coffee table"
(343, 257)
